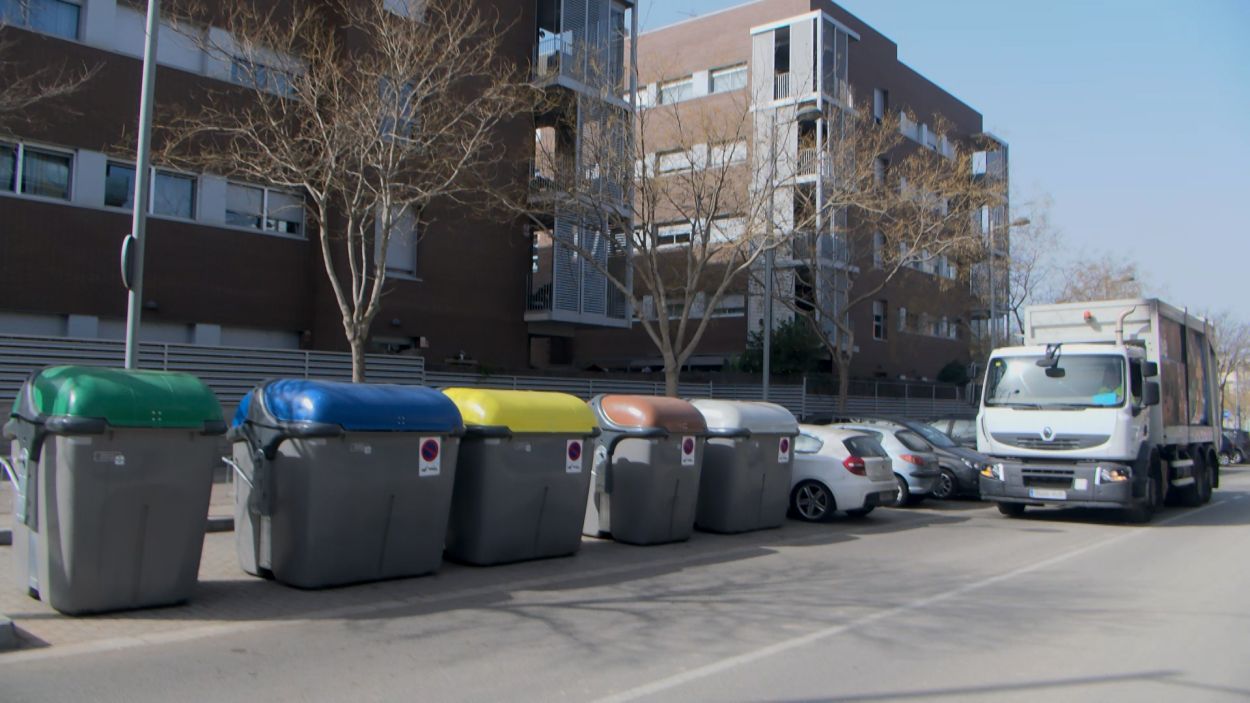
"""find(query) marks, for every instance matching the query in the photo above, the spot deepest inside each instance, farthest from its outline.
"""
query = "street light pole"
(132, 257)
(769, 253)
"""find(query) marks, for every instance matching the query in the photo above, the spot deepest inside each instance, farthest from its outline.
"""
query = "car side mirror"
(1149, 369)
(1150, 394)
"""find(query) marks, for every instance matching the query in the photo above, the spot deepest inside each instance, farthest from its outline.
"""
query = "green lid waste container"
(521, 477)
(114, 470)
(342, 482)
(647, 462)
(745, 484)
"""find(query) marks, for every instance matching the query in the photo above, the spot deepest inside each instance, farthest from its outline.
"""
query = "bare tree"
(664, 210)
(26, 87)
(915, 207)
(1232, 354)
(373, 115)
(1035, 267)
(1100, 277)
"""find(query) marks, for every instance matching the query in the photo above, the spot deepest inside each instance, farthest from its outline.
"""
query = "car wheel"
(946, 486)
(861, 512)
(1225, 458)
(1011, 509)
(812, 501)
(1238, 457)
(903, 497)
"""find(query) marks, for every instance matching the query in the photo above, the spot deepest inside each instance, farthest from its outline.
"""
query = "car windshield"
(1075, 381)
(934, 437)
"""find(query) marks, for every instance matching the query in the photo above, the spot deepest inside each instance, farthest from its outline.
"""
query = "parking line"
(729, 663)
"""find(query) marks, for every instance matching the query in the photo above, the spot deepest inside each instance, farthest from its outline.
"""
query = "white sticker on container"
(783, 450)
(573, 457)
(361, 448)
(687, 451)
(431, 456)
(114, 458)
(1080, 484)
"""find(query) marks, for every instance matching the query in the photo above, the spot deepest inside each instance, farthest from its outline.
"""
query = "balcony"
(837, 90)
(812, 162)
(781, 86)
(567, 283)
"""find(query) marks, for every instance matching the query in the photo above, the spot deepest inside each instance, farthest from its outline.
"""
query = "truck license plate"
(1047, 494)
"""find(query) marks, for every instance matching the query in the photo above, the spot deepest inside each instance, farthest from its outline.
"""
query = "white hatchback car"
(836, 469)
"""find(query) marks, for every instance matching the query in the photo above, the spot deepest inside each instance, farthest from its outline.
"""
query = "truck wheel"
(1199, 491)
(946, 486)
(1011, 509)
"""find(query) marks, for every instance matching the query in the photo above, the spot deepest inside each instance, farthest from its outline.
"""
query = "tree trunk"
(672, 376)
(844, 382)
(358, 342)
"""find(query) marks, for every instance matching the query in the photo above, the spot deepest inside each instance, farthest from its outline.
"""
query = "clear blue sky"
(1134, 116)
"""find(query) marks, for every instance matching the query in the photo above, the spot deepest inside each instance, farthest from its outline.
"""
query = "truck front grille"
(1060, 442)
(1047, 478)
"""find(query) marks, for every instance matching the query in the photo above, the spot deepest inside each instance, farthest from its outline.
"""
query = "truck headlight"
(1113, 474)
(994, 471)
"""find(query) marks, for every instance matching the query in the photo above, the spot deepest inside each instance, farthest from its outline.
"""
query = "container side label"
(573, 457)
(783, 450)
(431, 456)
(687, 451)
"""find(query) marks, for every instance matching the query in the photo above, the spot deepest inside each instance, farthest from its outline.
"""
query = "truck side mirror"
(1150, 394)
(1149, 369)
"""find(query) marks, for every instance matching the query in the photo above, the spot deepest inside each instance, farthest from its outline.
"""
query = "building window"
(879, 319)
(671, 235)
(34, 171)
(725, 229)
(731, 305)
(723, 80)
(676, 91)
(878, 249)
(880, 104)
(264, 209)
(902, 319)
(56, 17)
(259, 76)
(879, 169)
(173, 194)
(401, 250)
(672, 161)
(727, 153)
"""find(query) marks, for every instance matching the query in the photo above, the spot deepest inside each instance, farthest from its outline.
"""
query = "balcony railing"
(781, 86)
(812, 161)
(559, 55)
(565, 284)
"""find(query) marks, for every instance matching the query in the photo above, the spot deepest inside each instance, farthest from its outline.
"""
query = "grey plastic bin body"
(110, 517)
(646, 471)
(747, 465)
(320, 502)
(332, 515)
(515, 501)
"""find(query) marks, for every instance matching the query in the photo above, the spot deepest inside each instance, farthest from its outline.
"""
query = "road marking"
(729, 663)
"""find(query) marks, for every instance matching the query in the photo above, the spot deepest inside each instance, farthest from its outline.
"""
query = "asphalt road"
(944, 602)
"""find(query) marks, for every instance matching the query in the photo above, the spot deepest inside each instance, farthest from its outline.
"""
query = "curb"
(220, 524)
(8, 634)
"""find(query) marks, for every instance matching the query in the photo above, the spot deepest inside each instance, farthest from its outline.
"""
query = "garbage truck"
(1109, 404)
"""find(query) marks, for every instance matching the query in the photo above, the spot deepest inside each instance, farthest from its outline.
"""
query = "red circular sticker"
(785, 444)
(687, 447)
(575, 451)
(429, 450)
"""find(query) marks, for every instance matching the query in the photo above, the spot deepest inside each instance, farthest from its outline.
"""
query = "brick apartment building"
(232, 264)
(776, 56)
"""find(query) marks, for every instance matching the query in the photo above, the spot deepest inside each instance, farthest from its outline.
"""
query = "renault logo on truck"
(1047, 434)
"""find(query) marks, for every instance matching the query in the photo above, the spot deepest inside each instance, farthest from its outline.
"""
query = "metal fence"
(232, 371)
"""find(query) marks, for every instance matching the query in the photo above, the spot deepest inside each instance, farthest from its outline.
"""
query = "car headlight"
(1114, 474)
(994, 471)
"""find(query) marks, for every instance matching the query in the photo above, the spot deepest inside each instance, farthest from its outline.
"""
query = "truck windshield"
(1076, 381)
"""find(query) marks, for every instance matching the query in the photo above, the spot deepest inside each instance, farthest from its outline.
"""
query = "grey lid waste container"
(647, 461)
(745, 483)
(113, 472)
(522, 474)
(342, 482)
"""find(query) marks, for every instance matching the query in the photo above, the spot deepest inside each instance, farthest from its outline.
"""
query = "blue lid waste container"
(745, 483)
(113, 471)
(342, 483)
(647, 463)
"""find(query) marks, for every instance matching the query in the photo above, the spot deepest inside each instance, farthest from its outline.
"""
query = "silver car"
(916, 467)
